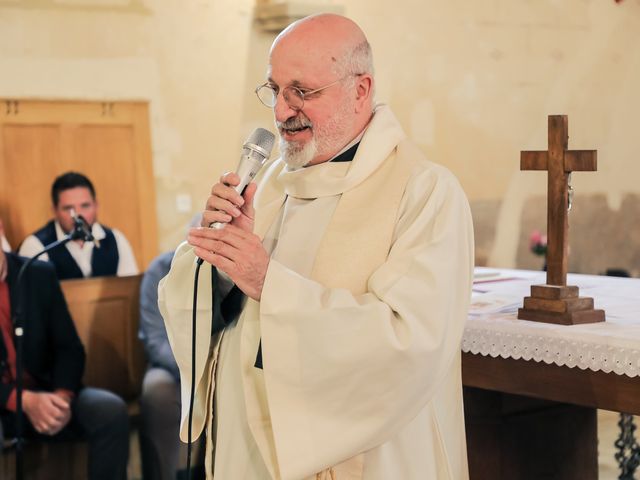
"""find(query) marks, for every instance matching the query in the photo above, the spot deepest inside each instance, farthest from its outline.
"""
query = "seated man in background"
(160, 400)
(55, 404)
(4, 244)
(73, 191)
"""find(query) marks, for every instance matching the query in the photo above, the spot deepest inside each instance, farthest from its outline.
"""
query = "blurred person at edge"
(56, 405)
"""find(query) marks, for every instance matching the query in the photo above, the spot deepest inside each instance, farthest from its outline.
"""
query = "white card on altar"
(488, 303)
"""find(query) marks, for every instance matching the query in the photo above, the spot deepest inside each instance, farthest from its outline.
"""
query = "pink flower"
(538, 243)
(534, 238)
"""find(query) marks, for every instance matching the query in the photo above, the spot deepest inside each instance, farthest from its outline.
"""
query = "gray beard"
(296, 156)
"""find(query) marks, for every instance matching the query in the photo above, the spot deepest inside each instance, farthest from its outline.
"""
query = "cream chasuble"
(360, 318)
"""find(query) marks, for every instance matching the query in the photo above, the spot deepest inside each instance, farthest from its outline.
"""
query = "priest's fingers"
(230, 234)
(240, 252)
(225, 199)
(213, 258)
(228, 206)
(248, 276)
(213, 240)
(213, 246)
(225, 188)
(213, 216)
(237, 253)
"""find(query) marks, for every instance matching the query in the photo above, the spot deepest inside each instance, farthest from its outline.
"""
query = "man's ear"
(364, 90)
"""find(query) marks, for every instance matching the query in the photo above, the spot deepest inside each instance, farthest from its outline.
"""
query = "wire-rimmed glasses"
(267, 93)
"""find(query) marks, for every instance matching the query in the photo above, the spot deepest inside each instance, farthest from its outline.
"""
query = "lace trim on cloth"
(503, 336)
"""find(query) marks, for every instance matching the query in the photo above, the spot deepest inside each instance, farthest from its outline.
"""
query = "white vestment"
(360, 319)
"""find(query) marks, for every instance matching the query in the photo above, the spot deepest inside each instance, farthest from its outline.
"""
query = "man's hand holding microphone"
(226, 239)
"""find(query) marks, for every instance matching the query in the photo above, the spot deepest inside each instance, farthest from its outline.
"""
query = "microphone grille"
(262, 138)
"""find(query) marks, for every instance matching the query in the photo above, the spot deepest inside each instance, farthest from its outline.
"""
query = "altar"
(532, 389)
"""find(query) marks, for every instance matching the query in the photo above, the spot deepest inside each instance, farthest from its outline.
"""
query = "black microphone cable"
(193, 366)
(217, 317)
(255, 151)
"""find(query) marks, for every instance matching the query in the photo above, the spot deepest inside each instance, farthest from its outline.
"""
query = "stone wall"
(600, 238)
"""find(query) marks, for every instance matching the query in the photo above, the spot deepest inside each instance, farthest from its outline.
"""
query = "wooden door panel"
(31, 157)
(105, 153)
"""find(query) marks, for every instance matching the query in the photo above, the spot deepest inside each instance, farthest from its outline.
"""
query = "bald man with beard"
(345, 274)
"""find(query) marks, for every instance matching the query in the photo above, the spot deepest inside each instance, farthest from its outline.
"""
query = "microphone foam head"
(263, 139)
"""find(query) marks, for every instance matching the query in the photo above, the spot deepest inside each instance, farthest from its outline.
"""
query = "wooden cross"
(556, 302)
(559, 162)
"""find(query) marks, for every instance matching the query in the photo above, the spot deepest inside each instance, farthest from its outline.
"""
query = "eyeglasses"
(268, 94)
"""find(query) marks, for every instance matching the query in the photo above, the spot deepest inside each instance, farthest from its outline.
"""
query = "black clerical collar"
(347, 155)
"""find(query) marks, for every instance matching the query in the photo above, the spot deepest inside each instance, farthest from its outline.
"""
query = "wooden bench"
(106, 313)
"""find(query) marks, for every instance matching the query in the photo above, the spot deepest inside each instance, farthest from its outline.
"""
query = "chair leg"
(628, 455)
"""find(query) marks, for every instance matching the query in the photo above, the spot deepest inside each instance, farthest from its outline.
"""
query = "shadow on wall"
(599, 238)
(485, 218)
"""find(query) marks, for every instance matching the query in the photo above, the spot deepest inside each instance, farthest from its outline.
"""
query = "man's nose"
(282, 110)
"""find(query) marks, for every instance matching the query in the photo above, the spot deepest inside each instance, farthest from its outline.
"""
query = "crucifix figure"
(556, 302)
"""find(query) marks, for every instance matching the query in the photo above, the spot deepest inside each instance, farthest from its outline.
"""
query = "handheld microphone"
(255, 151)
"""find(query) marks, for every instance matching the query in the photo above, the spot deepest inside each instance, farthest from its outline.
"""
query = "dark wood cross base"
(560, 305)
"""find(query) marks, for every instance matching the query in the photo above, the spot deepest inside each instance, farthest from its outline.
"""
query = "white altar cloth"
(611, 346)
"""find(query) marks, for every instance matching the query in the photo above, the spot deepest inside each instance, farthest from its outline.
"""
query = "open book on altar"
(497, 291)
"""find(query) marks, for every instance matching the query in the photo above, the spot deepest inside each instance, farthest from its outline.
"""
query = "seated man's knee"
(100, 409)
(159, 391)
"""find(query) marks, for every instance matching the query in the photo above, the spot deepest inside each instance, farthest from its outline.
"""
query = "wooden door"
(108, 142)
